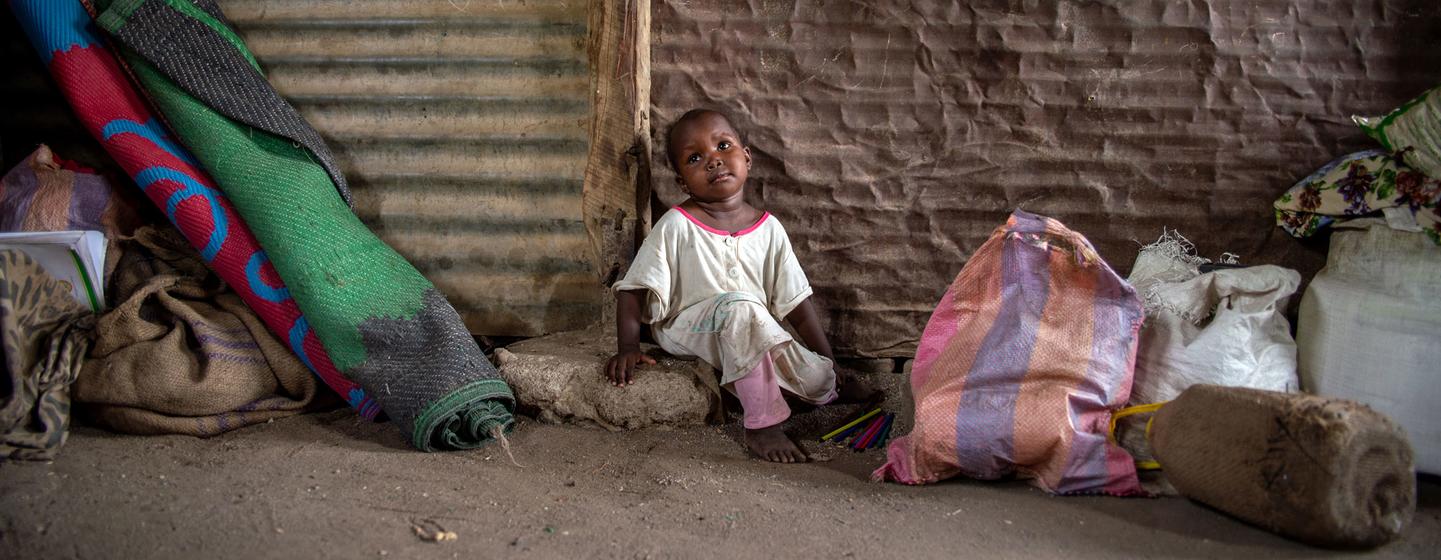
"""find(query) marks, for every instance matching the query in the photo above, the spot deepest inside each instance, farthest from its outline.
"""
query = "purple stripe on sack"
(204, 338)
(234, 358)
(20, 189)
(1114, 319)
(985, 419)
(1085, 468)
(217, 328)
(90, 195)
(1117, 319)
(264, 404)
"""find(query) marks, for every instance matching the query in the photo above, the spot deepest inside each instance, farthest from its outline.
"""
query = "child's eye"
(693, 158)
(724, 144)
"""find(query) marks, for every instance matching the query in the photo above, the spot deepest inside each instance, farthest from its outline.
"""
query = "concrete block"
(561, 378)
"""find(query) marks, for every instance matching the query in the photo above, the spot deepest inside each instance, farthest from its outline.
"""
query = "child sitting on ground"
(712, 279)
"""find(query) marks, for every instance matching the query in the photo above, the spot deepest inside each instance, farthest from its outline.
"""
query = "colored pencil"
(859, 435)
(871, 441)
(852, 423)
(885, 431)
(848, 433)
(865, 436)
(850, 419)
(891, 426)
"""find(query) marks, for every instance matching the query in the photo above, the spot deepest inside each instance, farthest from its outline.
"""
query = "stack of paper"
(76, 258)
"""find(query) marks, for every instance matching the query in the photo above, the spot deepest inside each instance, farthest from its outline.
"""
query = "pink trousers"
(760, 395)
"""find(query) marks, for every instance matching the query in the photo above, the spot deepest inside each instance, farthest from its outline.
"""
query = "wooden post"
(617, 169)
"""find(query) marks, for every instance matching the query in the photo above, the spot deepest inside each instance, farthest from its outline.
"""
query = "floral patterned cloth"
(1360, 184)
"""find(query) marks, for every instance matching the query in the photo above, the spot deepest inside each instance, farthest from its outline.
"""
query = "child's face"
(711, 163)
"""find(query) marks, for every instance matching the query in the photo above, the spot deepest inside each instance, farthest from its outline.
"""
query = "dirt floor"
(331, 485)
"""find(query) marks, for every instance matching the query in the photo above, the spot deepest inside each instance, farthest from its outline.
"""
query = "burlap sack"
(180, 353)
(1324, 471)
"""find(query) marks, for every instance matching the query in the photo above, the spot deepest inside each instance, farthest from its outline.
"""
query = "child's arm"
(804, 320)
(849, 389)
(628, 356)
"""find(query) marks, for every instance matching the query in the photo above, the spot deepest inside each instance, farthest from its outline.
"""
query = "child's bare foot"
(772, 444)
(851, 390)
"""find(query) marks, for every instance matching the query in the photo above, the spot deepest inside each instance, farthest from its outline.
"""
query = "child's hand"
(621, 367)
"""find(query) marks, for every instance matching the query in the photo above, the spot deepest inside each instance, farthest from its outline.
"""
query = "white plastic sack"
(1223, 327)
(1370, 330)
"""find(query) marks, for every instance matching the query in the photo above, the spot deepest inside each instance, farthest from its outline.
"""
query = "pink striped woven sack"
(1023, 361)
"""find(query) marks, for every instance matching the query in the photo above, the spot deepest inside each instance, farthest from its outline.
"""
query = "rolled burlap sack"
(1327, 472)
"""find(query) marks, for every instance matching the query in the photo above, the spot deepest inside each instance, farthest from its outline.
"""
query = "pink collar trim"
(698, 223)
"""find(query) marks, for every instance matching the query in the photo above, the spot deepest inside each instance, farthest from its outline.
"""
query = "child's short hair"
(689, 116)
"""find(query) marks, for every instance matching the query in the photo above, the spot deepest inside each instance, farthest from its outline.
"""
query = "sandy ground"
(330, 485)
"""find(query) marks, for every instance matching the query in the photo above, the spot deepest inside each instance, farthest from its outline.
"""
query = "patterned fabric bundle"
(386, 326)
(45, 334)
(113, 111)
(1022, 363)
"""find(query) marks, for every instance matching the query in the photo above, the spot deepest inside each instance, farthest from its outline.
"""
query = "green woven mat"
(385, 326)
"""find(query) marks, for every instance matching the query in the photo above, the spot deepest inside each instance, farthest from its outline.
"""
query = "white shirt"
(684, 262)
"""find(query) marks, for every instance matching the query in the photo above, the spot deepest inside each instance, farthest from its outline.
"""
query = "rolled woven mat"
(1327, 472)
(386, 326)
(177, 36)
(109, 106)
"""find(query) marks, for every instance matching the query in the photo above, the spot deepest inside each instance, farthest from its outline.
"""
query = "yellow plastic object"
(1130, 411)
(862, 419)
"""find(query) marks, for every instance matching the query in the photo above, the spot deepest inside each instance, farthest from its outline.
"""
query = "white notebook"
(76, 258)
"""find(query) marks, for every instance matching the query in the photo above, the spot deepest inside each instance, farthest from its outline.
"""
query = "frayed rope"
(498, 433)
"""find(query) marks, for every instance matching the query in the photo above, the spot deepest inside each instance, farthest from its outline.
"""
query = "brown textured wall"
(892, 137)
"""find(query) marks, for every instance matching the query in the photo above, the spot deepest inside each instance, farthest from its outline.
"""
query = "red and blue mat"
(101, 94)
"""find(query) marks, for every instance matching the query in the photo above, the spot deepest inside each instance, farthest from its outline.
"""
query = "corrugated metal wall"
(463, 128)
(891, 136)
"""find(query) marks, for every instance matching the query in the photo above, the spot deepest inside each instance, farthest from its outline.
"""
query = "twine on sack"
(1174, 249)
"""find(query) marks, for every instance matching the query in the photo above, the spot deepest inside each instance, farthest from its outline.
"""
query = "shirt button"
(735, 272)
